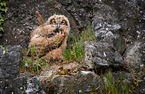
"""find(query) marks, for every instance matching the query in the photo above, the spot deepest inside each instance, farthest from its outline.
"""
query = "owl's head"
(59, 21)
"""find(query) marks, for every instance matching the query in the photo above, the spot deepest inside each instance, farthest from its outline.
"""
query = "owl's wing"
(54, 41)
(44, 45)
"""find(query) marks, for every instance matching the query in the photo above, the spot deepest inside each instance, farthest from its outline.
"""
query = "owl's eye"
(64, 22)
(53, 21)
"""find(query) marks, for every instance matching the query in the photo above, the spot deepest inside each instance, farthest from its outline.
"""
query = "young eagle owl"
(50, 38)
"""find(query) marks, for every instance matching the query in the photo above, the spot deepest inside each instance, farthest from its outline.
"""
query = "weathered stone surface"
(135, 55)
(140, 89)
(126, 14)
(86, 82)
(101, 54)
(81, 10)
(11, 82)
(81, 82)
(33, 86)
(10, 57)
(13, 86)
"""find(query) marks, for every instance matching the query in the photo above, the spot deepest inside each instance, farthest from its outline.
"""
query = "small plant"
(5, 48)
(111, 86)
(33, 64)
(3, 10)
(76, 52)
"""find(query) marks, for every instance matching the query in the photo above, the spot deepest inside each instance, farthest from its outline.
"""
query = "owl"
(50, 39)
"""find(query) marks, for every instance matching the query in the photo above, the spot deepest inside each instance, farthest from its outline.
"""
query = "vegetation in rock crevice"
(3, 10)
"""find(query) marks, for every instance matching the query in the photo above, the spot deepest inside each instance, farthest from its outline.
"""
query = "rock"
(140, 89)
(10, 57)
(33, 86)
(81, 10)
(107, 33)
(11, 82)
(21, 85)
(13, 86)
(101, 54)
(81, 82)
(125, 16)
(135, 54)
(86, 82)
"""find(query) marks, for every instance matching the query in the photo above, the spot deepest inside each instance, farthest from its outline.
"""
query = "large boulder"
(81, 82)
(135, 55)
(123, 18)
(101, 54)
(10, 57)
(11, 82)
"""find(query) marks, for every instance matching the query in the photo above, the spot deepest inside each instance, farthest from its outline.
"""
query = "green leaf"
(1, 29)
(2, 19)
(4, 9)
(3, 3)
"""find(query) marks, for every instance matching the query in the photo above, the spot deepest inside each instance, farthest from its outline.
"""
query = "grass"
(33, 64)
(76, 52)
(111, 85)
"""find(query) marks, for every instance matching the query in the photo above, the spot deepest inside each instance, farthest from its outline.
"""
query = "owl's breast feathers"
(52, 41)
(52, 34)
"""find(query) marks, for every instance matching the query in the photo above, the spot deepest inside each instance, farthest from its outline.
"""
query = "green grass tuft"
(76, 52)
(33, 64)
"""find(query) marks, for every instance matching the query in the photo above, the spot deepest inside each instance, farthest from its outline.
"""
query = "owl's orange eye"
(53, 22)
(63, 22)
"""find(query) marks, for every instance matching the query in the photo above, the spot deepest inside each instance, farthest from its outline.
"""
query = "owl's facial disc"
(60, 22)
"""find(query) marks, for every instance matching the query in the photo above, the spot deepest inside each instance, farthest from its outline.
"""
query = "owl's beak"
(58, 26)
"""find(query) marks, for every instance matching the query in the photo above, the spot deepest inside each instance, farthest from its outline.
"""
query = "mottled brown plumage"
(51, 37)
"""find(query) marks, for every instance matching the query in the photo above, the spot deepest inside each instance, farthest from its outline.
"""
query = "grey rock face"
(86, 82)
(100, 54)
(10, 57)
(141, 88)
(81, 82)
(10, 81)
(81, 10)
(33, 86)
(135, 55)
(125, 15)
(13, 86)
